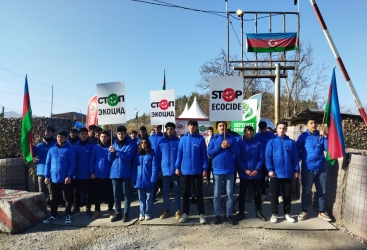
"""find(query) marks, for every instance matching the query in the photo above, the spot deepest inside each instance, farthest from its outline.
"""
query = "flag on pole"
(271, 42)
(164, 80)
(26, 137)
(336, 146)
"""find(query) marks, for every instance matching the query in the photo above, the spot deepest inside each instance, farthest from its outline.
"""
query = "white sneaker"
(49, 219)
(280, 199)
(141, 218)
(202, 219)
(67, 219)
(274, 218)
(148, 217)
(289, 218)
(183, 218)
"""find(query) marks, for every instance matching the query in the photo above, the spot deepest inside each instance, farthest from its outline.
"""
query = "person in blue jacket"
(121, 155)
(250, 161)
(166, 158)
(100, 168)
(192, 163)
(263, 136)
(145, 177)
(41, 150)
(155, 138)
(59, 170)
(281, 156)
(223, 148)
(73, 137)
(311, 146)
(83, 150)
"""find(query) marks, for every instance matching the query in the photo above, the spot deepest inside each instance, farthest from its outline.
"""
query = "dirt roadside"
(210, 236)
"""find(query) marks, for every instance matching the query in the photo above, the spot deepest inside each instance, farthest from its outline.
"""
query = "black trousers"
(264, 172)
(209, 171)
(197, 181)
(60, 190)
(86, 184)
(244, 184)
(277, 185)
(102, 187)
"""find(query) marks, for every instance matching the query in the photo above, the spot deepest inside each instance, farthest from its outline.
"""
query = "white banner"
(162, 107)
(258, 97)
(226, 95)
(111, 103)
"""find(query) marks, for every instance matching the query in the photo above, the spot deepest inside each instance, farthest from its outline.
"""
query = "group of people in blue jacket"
(102, 170)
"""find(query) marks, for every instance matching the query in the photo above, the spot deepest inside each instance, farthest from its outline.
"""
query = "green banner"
(249, 117)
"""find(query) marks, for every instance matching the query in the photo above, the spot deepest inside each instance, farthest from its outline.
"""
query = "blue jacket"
(154, 140)
(192, 156)
(146, 172)
(167, 154)
(41, 151)
(264, 138)
(83, 154)
(223, 160)
(281, 156)
(123, 159)
(60, 163)
(251, 158)
(99, 163)
(311, 149)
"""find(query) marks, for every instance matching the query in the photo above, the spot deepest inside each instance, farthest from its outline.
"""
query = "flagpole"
(357, 101)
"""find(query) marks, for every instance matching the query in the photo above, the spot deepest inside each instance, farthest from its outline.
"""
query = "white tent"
(194, 111)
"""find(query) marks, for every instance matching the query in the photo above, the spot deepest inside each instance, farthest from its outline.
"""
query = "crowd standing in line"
(94, 166)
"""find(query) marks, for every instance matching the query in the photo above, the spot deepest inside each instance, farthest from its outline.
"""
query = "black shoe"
(240, 216)
(126, 218)
(260, 216)
(89, 213)
(217, 220)
(193, 200)
(116, 217)
(230, 220)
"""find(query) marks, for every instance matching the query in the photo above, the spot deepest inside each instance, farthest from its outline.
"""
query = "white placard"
(162, 107)
(111, 103)
(226, 96)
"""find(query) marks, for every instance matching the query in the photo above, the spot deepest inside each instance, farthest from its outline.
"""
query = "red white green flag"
(26, 137)
(271, 42)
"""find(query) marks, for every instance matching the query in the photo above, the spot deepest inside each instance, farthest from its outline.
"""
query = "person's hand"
(204, 173)
(296, 175)
(67, 180)
(254, 173)
(272, 174)
(225, 144)
(178, 172)
(112, 149)
(47, 181)
(248, 172)
(323, 133)
(93, 176)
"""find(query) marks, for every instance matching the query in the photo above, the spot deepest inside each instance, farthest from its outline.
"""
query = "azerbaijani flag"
(26, 137)
(271, 42)
(164, 80)
(336, 146)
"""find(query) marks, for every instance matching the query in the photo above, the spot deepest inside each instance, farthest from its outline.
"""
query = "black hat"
(51, 129)
(63, 133)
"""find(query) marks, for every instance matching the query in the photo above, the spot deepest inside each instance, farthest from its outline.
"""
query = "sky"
(74, 45)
